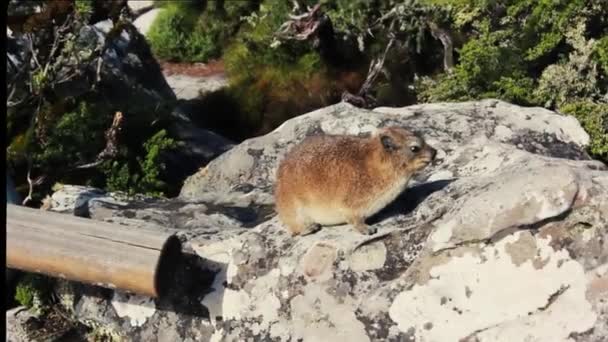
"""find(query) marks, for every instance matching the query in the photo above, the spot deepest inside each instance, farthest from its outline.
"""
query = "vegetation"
(534, 53)
(195, 31)
(57, 138)
(34, 292)
(285, 58)
(144, 174)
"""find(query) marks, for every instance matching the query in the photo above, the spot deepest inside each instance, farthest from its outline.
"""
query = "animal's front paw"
(371, 230)
(365, 229)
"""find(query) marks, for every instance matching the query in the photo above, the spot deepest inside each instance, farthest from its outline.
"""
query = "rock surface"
(189, 88)
(502, 239)
(145, 20)
(140, 6)
(16, 324)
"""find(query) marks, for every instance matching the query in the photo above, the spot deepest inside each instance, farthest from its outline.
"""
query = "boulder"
(16, 324)
(144, 21)
(191, 88)
(138, 7)
(248, 169)
(129, 73)
(501, 239)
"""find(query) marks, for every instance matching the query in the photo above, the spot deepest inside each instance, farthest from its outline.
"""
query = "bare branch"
(111, 149)
(448, 46)
(363, 98)
(32, 183)
(302, 26)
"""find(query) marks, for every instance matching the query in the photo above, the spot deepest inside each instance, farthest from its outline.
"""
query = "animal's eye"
(415, 149)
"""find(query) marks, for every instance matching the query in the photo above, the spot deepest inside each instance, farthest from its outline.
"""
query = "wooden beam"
(139, 260)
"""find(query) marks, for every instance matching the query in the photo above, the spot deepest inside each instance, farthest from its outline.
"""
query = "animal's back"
(316, 162)
(308, 177)
(334, 179)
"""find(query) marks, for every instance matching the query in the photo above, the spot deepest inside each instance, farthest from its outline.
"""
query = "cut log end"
(139, 260)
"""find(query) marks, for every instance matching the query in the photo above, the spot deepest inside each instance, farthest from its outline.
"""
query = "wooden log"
(139, 260)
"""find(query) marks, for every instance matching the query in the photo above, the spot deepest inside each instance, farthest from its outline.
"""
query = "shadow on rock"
(408, 200)
(186, 287)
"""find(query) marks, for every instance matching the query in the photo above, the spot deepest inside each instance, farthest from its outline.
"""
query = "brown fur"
(333, 179)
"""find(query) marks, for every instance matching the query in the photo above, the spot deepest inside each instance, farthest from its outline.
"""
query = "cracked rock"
(503, 238)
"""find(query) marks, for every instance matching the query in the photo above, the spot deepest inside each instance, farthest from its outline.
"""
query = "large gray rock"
(140, 6)
(446, 126)
(16, 324)
(145, 20)
(502, 239)
(189, 88)
(129, 74)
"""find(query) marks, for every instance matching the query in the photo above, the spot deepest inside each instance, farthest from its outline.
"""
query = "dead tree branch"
(448, 46)
(111, 149)
(303, 26)
(363, 98)
(32, 183)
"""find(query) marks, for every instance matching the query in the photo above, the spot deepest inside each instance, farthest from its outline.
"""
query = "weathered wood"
(134, 259)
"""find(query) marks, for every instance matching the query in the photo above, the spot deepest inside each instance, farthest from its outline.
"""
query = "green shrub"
(594, 119)
(83, 8)
(76, 137)
(169, 34)
(601, 51)
(195, 31)
(140, 174)
(34, 292)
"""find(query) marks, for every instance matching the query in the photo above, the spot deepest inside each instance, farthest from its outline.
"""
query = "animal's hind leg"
(310, 228)
(302, 225)
(359, 224)
(296, 222)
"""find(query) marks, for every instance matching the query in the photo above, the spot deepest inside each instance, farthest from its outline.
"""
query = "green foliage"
(152, 165)
(575, 78)
(170, 34)
(144, 175)
(548, 53)
(34, 292)
(83, 8)
(74, 138)
(265, 73)
(190, 32)
(372, 21)
(485, 69)
(601, 50)
(594, 119)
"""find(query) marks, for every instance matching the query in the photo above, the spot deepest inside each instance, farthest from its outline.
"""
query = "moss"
(34, 292)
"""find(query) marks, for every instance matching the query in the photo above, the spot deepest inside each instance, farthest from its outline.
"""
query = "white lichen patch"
(527, 196)
(368, 257)
(318, 260)
(267, 303)
(503, 133)
(488, 296)
(136, 308)
(318, 316)
(222, 302)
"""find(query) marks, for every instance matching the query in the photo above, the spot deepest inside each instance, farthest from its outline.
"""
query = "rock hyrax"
(334, 179)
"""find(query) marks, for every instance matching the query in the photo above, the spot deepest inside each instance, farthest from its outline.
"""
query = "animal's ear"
(388, 143)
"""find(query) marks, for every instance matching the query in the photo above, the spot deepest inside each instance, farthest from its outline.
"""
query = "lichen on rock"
(502, 238)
